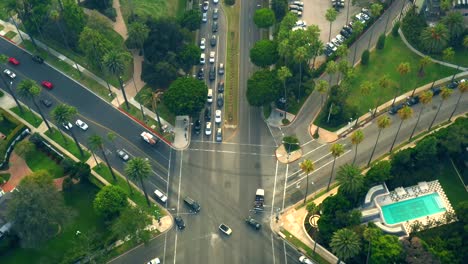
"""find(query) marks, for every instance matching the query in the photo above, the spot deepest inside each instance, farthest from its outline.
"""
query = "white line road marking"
(314, 150)
(233, 152)
(273, 248)
(299, 180)
(271, 133)
(159, 176)
(285, 183)
(233, 143)
(285, 253)
(178, 201)
(274, 191)
(164, 251)
(310, 141)
(315, 161)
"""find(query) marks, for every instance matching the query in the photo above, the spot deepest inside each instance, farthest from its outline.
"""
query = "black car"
(179, 222)
(212, 73)
(213, 41)
(220, 100)
(453, 85)
(345, 33)
(37, 59)
(328, 52)
(192, 204)
(348, 29)
(394, 109)
(197, 127)
(207, 114)
(46, 103)
(253, 223)
(413, 100)
(201, 74)
(436, 91)
(221, 87)
(215, 27)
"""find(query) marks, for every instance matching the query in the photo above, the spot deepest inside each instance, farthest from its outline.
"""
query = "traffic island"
(286, 157)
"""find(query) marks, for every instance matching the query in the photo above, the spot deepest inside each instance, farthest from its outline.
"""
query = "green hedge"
(6, 143)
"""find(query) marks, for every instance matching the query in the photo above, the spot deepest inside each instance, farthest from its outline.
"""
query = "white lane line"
(164, 251)
(237, 144)
(274, 191)
(168, 174)
(271, 133)
(299, 180)
(159, 176)
(310, 141)
(314, 150)
(273, 248)
(178, 202)
(285, 183)
(285, 253)
(315, 161)
(233, 152)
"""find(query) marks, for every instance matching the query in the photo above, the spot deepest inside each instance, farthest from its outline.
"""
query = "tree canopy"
(110, 201)
(132, 222)
(191, 19)
(159, 75)
(263, 87)
(264, 17)
(186, 96)
(264, 53)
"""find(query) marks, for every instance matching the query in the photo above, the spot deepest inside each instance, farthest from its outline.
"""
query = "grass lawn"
(10, 35)
(69, 144)
(297, 243)
(6, 126)
(27, 115)
(4, 177)
(163, 111)
(80, 199)
(38, 160)
(232, 64)
(1, 26)
(71, 71)
(136, 197)
(460, 58)
(153, 8)
(451, 183)
(385, 62)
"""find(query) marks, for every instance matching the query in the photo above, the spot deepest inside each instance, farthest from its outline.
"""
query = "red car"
(47, 85)
(13, 61)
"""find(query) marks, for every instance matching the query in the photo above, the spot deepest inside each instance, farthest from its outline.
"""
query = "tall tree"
(307, 166)
(336, 151)
(186, 96)
(330, 69)
(356, 138)
(448, 54)
(94, 45)
(63, 114)
(264, 53)
(300, 55)
(38, 210)
(404, 113)
(345, 244)
(139, 169)
(133, 223)
(322, 87)
(330, 16)
(358, 27)
(137, 34)
(283, 74)
(110, 201)
(96, 142)
(435, 38)
(423, 62)
(444, 95)
(74, 20)
(462, 88)
(455, 25)
(384, 83)
(153, 98)
(403, 69)
(264, 17)
(115, 62)
(375, 10)
(425, 98)
(350, 179)
(30, 90)
(382, 123)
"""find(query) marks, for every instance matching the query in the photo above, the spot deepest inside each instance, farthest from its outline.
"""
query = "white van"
(160, 195)
(210, 96)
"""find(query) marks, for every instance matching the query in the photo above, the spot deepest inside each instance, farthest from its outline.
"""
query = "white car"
(305, 260)
(204, 18)
(331, 46)
(81, 124)
(212, 56)
(215, 1)
(202, 58)
(123, 155)
(298, 3)
(225, 229)
(340, 38)
(67, 126)
(335, 42)
(208, 129)
(9, 73)
(154, 261)
(160, 195)
(301, 23)
(206, 5)
(218, 116)
(202, 43)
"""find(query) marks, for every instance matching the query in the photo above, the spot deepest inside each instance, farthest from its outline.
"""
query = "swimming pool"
(413, 208)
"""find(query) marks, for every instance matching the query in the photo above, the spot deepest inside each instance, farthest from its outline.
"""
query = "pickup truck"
(149, 138)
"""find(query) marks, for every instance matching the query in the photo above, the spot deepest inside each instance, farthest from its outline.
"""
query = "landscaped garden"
(152, 8)
(67, 143)
(28, 115)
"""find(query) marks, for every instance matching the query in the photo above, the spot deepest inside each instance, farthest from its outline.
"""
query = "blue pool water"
(412, 208)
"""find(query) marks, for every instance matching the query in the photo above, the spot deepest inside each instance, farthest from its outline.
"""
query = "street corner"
(324, 136)
(164, 224)
(284, 157)
(182, 133)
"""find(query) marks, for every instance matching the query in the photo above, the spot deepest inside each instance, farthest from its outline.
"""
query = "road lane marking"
(273, 247)
(234, 152)
(178, 202)
(299, 180)
(285, 184)
(310, 141)
(314, 150)
(315, 161)
(285, 253)
(234, 143)
(159, 176)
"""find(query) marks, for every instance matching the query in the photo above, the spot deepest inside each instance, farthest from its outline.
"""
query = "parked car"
(394, 109)
(204, 18)
(345, 33)
(37, 59)
(253, 223)
(197, 127)
(48, 85)
(220, 100)
(160, 195)
(123, 154)
(192, 204)
(201, 74)
(208, 114)
(221, 69)
(9, 73)
(413, 100)
(79, 123)
(67, 126)
(219, 135)
(202, 43)
(215, 14)
(304, 260)
(301, 23)
(221, 87)
(205, 6)
(436, 90)
(298, 3)
(179, 222)
(208, 129)
(225, 229)
(13, 61)
(340, 38)
(209, 98)
(215, 2)
(214, 27)
(298, 13)
(213, 41)
(46, 102)
(348, 29)
(218, 116)
(202, 58)
(295, 7)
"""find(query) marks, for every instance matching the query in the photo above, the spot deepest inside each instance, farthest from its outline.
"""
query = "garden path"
(18, 170)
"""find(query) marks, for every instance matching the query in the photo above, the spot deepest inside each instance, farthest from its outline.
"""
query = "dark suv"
(179, 222)
(394, 109)
(37, 59)
(253, 223)
(197, 127)
(192, 204)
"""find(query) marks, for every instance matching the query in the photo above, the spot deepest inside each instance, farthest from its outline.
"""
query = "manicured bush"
(395, 29)
(365, 57)
(381, 42)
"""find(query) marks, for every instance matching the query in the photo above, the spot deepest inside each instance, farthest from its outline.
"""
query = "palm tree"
(444, 95)
(371, 234)
(347, 9)
(8, 85)
(404, 113)
(435, 38)
(322, 87)
(138, 32)
(63, 114)
(300, 54)
(343, 67)
(384, 82)
(284, 50)
(358, 27)
(139, 169)
(403, 69)
(336, 151)
(425, 98)
(462, 87)
(307, 166)
(356, 138)
(330, 15)
(153, 98)
(365, 89)
(30, 90)
(345, 244)
(455, 25)
(448, 54)
(423, 62)
(382, 123)
(331, 68)
(375, 10)
(96, 142)
(283, 74)
(350, 179)
(316, 49)
(115, 62)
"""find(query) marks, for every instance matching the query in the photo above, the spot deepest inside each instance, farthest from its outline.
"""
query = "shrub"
(67, 184)
(110, 13)
(412, 26)
(291, 143)
(67, 165)
(381, 42)
(110, 201)
(230, 2)
(395, 29)
(365, 57)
